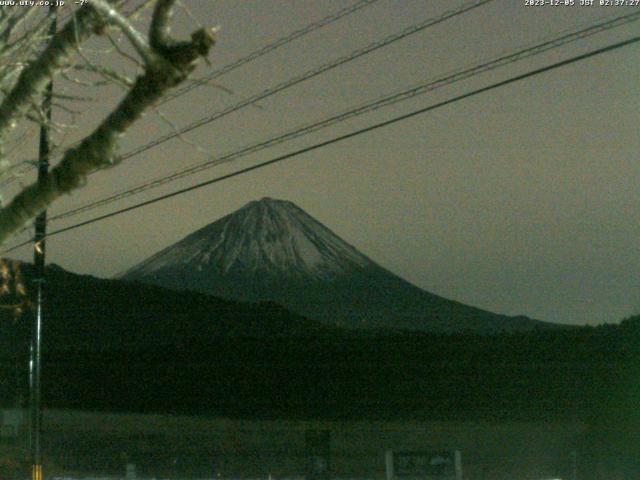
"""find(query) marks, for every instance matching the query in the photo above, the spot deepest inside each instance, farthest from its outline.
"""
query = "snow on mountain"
(273, 250)
(273, 237)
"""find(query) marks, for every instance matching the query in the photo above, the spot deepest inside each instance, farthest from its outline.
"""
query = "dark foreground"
(80, 444)
(519, 406)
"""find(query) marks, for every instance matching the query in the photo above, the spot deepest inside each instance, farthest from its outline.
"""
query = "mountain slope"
(87, 313)
(270, 238)
(273, 250)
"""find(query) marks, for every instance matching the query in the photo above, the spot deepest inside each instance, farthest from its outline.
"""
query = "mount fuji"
(273, 250)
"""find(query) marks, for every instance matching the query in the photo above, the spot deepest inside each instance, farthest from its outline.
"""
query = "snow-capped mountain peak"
(271, 250)
(267, 236)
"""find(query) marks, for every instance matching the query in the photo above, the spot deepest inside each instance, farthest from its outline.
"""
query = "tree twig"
(172, 62)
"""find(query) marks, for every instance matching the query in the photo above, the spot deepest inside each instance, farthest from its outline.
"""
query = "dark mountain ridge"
(122, 346)
(83, 312)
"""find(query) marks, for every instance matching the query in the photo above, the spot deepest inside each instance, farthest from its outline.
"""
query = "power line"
(340, 138)
(366, 108)
(311, 74)
(282, 41)
(303, 77)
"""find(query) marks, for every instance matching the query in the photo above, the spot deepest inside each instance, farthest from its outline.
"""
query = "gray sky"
(520, 201)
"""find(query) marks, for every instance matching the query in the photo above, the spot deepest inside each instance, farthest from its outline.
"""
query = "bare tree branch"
(34, 78)
(135, 37)
(160, 34)
(170, 64)
(122, 52)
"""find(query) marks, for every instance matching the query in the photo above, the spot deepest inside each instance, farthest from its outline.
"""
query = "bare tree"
(26, 67)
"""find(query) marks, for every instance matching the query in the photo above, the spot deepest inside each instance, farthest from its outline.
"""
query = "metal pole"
(39, 278)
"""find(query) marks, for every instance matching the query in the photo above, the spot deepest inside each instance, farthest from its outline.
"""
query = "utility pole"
(39, 279)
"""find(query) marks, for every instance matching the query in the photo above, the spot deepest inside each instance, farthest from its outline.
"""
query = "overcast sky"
(523, 200)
